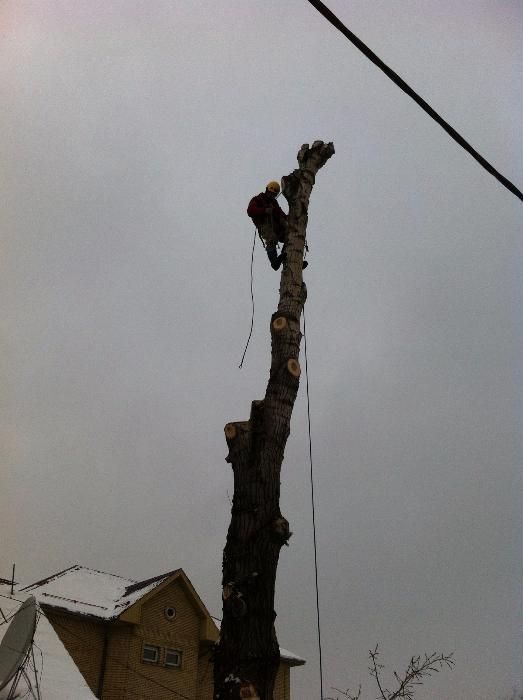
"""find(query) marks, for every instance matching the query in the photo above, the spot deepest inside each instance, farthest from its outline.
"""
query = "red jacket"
(257, 210)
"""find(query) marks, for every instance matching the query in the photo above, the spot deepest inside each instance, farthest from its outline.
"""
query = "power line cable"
(313, 506)
(11, 597)
(358, 43)
(41, 672)
(5, 619)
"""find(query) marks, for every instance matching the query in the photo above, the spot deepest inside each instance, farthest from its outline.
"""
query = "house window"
(173, 658)
(170, 613)
(150, 654)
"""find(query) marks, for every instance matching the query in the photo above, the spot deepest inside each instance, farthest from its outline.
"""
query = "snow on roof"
(91, 592)
(292, 659)
(59, 677)
(85, 591)
(288, 656)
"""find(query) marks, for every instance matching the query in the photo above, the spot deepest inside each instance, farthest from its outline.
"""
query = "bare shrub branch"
(418, 669)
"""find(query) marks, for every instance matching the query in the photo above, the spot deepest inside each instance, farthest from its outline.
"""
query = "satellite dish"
(17, 641)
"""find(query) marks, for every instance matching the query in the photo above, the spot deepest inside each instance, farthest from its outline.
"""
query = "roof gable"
(83, 591)
(93, 593)
(208, 629)
(140, 585)
(108, 597)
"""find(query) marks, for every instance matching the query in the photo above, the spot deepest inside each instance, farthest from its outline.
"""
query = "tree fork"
(247, 656)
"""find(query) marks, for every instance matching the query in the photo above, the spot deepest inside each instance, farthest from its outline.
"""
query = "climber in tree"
(271, 222)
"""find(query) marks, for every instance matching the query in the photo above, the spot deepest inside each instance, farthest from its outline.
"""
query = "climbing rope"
(252, 299)
(310, 455)
(313, 506)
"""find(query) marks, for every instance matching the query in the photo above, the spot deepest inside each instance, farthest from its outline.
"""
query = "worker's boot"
(283, 257)
(277, 260)
(274, 259)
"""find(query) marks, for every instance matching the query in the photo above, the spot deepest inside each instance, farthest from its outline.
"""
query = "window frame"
(170, 616)
(168, 651)
(147, 647)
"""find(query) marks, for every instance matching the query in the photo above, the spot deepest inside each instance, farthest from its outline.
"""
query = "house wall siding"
(126, 676)
(117, 677)
(282, 683)
(84, 640)
(205, 677)
(135, 679)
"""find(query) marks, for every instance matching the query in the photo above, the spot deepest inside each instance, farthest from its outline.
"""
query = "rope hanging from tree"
(252, 299)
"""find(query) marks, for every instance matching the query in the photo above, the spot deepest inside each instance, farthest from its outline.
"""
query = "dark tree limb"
(247, 655)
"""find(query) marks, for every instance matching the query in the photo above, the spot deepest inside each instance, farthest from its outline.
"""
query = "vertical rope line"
(313, 507)
(252, 299)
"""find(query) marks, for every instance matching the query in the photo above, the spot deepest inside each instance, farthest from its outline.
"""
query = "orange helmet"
(274, 187)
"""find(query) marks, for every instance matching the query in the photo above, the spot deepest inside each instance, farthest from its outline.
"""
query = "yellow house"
(146, 640)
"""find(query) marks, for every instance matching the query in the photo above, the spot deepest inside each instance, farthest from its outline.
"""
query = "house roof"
(290, 658)
(59, 677)
(83, 591)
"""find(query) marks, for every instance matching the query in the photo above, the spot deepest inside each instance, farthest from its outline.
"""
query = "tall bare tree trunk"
(247, 656)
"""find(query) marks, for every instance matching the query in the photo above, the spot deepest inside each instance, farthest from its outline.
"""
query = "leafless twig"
(346, 694)
(417, 670)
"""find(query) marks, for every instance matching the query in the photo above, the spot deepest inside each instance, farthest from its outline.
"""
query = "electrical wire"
(41, 672)
(397, 80)
(11, 597)
(6, 619)
(252, 299)
(313, 506)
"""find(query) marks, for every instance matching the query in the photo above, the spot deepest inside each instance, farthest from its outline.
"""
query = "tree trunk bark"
(247, 655)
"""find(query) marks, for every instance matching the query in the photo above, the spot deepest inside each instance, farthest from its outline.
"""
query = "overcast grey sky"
(133, 136)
